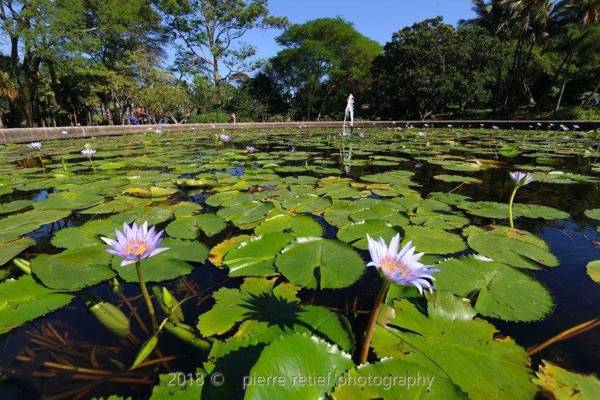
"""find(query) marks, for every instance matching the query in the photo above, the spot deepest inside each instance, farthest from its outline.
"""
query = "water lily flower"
(423, 134)
(135, 243)
(224, 138)
(250, 149)
(88, 153)
(34, 146)
(401, 267)
(521, 178)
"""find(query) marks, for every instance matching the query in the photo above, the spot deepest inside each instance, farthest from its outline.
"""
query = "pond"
(264, 290)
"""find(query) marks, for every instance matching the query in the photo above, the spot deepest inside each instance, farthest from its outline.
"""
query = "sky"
(377, 19)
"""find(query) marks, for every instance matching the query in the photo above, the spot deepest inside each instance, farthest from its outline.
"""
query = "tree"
(323, 61)
(415, 75)
(210, 30)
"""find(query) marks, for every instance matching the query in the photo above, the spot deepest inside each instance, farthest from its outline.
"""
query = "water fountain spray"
(348, 116)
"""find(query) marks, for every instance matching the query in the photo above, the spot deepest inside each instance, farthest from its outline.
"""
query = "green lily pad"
(234, 305)
(501, 291)
(296, 357)
(12, 248)
(247, 212)
(459, 349)
(593, 213)
(189, 226)
(561, 384)
(393, 379)
(297, 225)
(593, 270)
(150, 192)
(24, 300)
(20, 224)
(69, 201)
(517, 248)
(356, 233)
(433, 241)
(73, 269)
(317, 263)
(256, 257)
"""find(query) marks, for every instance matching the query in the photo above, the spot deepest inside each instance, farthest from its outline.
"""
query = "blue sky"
(377, 19)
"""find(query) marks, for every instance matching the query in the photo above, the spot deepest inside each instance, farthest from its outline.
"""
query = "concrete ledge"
(26, 135)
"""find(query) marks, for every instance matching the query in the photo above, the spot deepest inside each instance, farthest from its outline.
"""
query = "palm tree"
(577, 21)
(583, 12)
(527, 21)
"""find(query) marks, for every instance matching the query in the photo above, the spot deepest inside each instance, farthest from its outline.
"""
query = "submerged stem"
(510, 207)
(364, 351)
(147, 298)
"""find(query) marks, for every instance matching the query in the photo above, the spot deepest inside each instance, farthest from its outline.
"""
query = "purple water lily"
(224, 138)
(521, 178)
(88, 153)
(250, 149)
(34, 146)
(401, 267)
(135, 243)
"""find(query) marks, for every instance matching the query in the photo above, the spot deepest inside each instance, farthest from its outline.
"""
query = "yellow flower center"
(136, 248)
(389, 265)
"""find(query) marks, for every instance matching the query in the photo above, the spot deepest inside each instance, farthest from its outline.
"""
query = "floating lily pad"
(593, 270)
(517, 248)
(256, 256)
(501, 291)
(297, 225)
(561, 384)
(150, 192)
(293, 357)
(317, 263)
(356, 233)
(24, 300)
(12, 248)
(433, 241)
(74, 268)
(459, 349)
(393, 375)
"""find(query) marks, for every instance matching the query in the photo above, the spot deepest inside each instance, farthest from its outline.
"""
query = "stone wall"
(26, 135)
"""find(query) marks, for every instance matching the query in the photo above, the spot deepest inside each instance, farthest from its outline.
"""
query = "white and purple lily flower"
(88, 153)
(521, 178)
(135, 243)
(224, 138)
(34, 146)
(250, 149)
(401, 267)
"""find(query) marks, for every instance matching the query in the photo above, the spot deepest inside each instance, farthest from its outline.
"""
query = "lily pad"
(433, 241)
(593, 270)
(356, 233)
(12, 248)
(24, 300)
(317, 263)
(297, 225)
(297, 357)
(500, 290)
(560, 384)
(74, 268)
(256, 256)
(459, 349)
(517, 248)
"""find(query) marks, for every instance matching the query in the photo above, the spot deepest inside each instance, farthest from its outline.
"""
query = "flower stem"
(93, 166)
(510, 207)
(364, 351)
(147, 298)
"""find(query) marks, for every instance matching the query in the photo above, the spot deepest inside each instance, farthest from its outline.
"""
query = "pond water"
(232, 221)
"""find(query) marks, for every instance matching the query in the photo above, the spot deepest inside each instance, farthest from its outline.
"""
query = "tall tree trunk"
(589, 100)
(560, 97)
